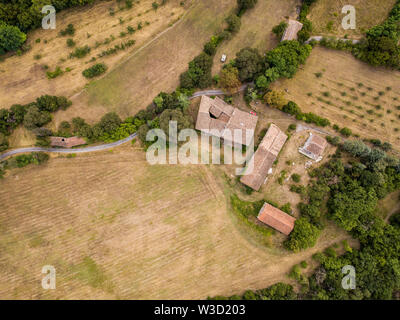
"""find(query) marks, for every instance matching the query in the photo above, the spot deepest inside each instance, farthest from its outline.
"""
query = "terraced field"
(115, 227)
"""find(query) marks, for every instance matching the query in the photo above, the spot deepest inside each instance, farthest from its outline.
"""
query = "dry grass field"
(95, 27)
(115, 227)
(132, 85)
(327, 16)
(335, 85)
(256, 29)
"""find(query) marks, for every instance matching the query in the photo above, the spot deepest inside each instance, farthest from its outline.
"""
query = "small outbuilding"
(292, 30)
(276, 219)
(66, 142)
(314, 147)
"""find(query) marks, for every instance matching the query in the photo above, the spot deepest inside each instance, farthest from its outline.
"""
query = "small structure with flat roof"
(292, 30)
(276, 219)
(314, 147)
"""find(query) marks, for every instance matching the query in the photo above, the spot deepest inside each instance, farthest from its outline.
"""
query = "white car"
(223, 58)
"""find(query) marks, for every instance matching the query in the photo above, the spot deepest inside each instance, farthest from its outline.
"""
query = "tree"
(303, 236)
(183, 121)
(11, 38)
(249, 63)
(243, 5)
(35, 118)
(229, 79)
(280, 29)
(275, 98)
(234, 23)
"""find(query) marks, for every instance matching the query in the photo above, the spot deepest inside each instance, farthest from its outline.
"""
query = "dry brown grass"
(349, 93)
(115, 227)
(93, 24)
(368, 14)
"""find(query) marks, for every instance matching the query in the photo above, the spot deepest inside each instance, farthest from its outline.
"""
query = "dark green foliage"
(249, 63)
(11, 38)
(234, 23)
(199, 73)
(3, 142)
(280, 29)
(346, 132)
(293, 109)
(303, 236)
(94, 70)
(80, 52)
(26, 159)
(35, 118)
(69, 30)
(243, 5)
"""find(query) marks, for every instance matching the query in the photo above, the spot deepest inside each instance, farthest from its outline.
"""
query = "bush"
(234, 23)
(94, 70)
(70, 42)
(280, 29)
(11, 38)
(80, 52)
(199, 73)
(346, 132)
(296, 177)
(303, 236)
(69, 30)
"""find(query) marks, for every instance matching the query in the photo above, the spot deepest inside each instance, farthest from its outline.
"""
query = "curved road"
(102, 146)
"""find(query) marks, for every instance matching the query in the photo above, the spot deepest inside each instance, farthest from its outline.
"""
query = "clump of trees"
(23, 160)
(279, 29)
(33, 115)
(229, 79)
(95, 70)
(11, 38)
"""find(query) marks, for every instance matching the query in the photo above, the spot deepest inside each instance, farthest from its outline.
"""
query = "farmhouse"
(66, 142)
(220, 119)
(292, 29)
(276, 219)
(314, 147)
(264, 158)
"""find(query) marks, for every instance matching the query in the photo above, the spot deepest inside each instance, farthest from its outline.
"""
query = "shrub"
(303, 236)
(70, 42)
(69, 30)
(234, 23)
(280, 29)
(11, 38)
(346, 132)
(94, 70)
(296, 177)
(80, 52)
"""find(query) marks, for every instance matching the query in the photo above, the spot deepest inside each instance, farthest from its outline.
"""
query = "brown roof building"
(292, 29)
(66, 142)
(220, 119)
(264, 158)
(314, 147)
(276, 219)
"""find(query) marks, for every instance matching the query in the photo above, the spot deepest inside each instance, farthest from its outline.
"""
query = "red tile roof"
(276, 219)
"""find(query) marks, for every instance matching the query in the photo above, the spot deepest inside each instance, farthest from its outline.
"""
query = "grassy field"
(256, 29)
(135, 82)
(96, 27)
(335, 85)
(115, 227)
(327, 16)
